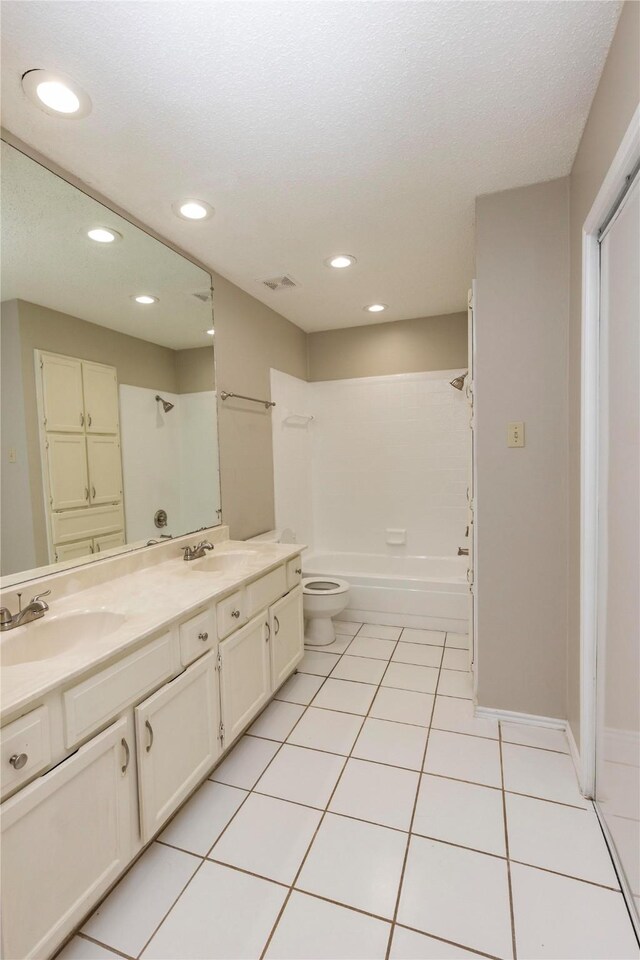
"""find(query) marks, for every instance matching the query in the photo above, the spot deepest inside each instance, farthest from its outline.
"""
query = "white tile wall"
(381, 452)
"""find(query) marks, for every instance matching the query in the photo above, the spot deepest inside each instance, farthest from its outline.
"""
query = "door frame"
(590, 601)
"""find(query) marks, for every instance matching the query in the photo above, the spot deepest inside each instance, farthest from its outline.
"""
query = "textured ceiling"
(315, 128)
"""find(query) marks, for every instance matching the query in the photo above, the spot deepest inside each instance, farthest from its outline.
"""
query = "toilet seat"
(324, 586)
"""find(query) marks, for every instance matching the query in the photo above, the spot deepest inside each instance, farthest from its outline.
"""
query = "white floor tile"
(277, 720)
(380, 630)
(312, 929)
(320, 664)
(455, 683)
(543, 737)
(432, 637)
(201, 821)
(541, 773)
(457, 894)
(269, 837)
(347, 628)
(455, 659)
(355, 863)
(371, 647)
(559, 838)
(304, 776)
(561, 917)
(327, 730)
(380, 794)
(420, 653)
(455, 714)
(463, 758)
(345, 695)
(300, 688)
(406, 706)
(460, 641)
(408, 676)
(133, 910)
(363, 669)
(397, 744)
(223, 914)
(245, 762)
(81, 949)
(463, 813)
(409, 945)
(338, 646)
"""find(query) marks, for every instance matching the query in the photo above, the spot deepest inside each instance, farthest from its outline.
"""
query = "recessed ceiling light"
(376, 307)
(341, 261)
(56, 94)
(193, 209)
(104, 235)
(145, 298)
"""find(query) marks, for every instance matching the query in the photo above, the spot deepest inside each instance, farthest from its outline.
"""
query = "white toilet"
(322, 599)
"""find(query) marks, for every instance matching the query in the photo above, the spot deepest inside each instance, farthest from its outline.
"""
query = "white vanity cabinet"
(286, 628)
(65, 838)
(245, 677)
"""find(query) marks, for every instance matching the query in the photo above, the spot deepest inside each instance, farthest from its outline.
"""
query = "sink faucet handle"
(39, 596)
(5, 615)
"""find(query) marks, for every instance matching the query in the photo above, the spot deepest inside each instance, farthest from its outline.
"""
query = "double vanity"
(118, 702)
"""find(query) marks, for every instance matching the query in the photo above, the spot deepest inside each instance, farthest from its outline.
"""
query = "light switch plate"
(515, 433)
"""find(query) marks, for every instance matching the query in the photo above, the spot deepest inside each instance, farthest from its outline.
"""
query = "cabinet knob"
(298, 570)
(235, 614)
(203, 636)
(18, 760)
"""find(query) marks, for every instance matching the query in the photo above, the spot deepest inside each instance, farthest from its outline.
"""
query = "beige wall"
(613, 106)
(522, 313)
(250, 339)
(195, 370)
(378, 349)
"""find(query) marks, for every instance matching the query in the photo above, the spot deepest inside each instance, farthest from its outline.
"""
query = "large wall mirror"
(108, 415)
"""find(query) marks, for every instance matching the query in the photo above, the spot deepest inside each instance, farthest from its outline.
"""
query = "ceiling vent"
(205, 296)
(279, 283)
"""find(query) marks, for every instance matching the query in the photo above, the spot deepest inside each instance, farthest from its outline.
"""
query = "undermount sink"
(225, 562)
(50, 637)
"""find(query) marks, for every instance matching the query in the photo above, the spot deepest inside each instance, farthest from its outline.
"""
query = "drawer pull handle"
(89, 419)
(235, 614)
(277, 625)
(93, 492)
(150, 729)
(127, 756)
(86, 493)
(298, 570)
(268, 635)
(82, 419)
(203, 636)
(18, 760)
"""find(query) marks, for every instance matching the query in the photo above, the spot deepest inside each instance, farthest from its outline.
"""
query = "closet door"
(68, 480)
(100, 398)
(105, 469)
(62, 393)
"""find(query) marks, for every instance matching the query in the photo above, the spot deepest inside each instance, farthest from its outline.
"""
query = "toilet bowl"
(322, 599)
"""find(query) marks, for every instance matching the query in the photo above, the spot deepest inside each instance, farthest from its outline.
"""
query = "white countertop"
(150, 599)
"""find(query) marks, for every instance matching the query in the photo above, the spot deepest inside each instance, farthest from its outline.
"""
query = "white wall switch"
(515, 433)
(396, 537)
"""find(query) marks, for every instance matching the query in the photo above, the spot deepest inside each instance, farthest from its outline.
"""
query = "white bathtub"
(427, 592)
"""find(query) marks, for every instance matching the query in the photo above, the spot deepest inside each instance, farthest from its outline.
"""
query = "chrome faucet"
(35, 609)
(194, 553)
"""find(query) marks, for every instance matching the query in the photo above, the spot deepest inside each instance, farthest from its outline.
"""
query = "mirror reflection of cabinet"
(78, 402)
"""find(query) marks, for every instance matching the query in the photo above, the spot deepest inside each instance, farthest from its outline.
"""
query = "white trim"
(624, 160)
(575, 753)
(513, 716)
(627, 892)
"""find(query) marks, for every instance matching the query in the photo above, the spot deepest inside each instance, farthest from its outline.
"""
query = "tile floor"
(368, 814)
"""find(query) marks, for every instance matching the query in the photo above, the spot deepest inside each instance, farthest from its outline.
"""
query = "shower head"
(165, 403)
(458, 382)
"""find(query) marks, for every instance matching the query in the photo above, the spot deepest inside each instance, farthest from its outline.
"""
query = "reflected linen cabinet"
(80, 451)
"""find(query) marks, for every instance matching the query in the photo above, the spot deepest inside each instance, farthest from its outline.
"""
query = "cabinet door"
(68, 478)
(100, 398)
(109, 541)
(65, 839)
(177, 738)
(105, 469)
(71, 551)
(287, 636)
(62, 394)
(244, 676)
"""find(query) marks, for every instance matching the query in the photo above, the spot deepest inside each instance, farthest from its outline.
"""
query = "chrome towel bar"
(227, 396)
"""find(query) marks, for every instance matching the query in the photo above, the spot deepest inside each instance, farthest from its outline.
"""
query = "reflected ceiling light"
(375, 307)
(210, 332)
(104, 235)
(145, 298)
(341, 261)
(193, 209)
(56, 94)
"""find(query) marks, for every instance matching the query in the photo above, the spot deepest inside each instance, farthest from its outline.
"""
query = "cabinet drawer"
(264, 591)
(27, 737)
(230, 613)
(294, 572)
(87, 522)
(96, 700)
(197, 636)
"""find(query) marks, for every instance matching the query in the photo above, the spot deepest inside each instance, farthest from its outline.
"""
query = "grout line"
(118, 953)
(460, 946)
(506, 843)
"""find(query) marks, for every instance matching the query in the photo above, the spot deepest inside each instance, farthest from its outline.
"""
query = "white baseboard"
(512, 716)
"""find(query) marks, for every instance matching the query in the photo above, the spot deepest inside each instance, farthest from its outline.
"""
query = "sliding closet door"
(618, 666)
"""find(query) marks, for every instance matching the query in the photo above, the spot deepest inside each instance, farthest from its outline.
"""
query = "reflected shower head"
(165, 403)
(458, 382)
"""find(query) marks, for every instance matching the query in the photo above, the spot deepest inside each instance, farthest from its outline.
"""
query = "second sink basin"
(226, 562)
(52, 636)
